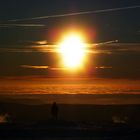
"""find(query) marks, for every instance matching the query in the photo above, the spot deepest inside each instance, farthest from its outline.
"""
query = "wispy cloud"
(77, 13)
(21, 25)
(29, 49)
(34, 67)
(41, 42)
(46, 48)
(43, 67)
(91, 48)
(104, 67)
(17, 50)
(58, 69)
(115, 48)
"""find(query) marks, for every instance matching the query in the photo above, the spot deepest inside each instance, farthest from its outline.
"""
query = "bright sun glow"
(73, 51)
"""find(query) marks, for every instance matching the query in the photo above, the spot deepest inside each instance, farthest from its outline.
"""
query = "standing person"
(54, 110)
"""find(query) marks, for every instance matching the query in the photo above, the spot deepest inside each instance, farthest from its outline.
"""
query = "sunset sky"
(28, 43)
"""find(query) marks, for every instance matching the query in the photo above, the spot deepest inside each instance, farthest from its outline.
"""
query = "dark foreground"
(115, 122)
(63, 129)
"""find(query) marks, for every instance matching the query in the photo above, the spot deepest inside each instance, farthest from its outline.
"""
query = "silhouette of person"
(54, 110)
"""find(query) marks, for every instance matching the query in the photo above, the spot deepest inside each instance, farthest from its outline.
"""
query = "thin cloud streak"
(77, 13)
(43, 67)
(91, 48)
(58, 69)
(34, 67)
(42, 46)
(104, 67)
(30, 49)
(21, 25)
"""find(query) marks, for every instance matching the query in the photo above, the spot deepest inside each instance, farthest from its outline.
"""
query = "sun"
(72, 50)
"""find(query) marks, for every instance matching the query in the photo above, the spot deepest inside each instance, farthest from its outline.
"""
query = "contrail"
(77, 13)
(104, 43)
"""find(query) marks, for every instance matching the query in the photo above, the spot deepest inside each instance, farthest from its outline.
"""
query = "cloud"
(32, 42)
(58, 69)
(46, 48)
(104, 67)
(91, 48)
(16, 50)
(43, 67)
(42, 42)
(104, 43)
(29, 48)
(21, 25)
(115, 48)
(78, 13)
(34, 67)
